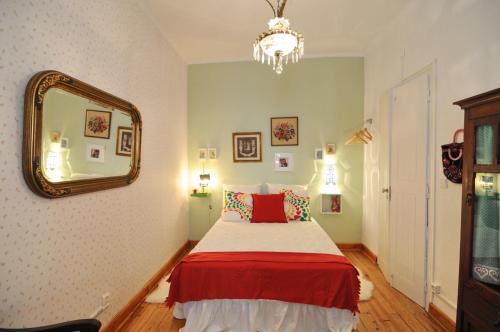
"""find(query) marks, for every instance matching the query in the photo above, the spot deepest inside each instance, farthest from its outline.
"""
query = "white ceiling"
(224, 30)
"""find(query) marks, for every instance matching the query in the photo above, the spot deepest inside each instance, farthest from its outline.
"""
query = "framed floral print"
(285, 131)
(247, 147)
(97, 124)
(124, 141)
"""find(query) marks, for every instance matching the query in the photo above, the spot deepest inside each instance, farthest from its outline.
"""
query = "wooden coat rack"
(362, 136)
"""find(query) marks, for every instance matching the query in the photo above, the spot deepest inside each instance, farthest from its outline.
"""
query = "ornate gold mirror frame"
(36, 89)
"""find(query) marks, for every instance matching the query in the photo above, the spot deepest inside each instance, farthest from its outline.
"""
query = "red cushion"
(268, 208)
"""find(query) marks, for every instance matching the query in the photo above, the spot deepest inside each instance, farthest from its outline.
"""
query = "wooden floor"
(388, 310)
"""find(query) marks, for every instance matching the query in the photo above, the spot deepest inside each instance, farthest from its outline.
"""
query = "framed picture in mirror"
(97, 124)
(124, 141)
(95, 153)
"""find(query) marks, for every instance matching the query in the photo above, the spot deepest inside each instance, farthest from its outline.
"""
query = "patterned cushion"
(296, 206)
(237, 206)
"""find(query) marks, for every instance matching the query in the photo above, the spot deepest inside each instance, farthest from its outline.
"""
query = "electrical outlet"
(105, 299)
(436, 288)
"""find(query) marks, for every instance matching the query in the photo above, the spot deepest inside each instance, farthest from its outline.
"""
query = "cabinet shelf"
(486, 168)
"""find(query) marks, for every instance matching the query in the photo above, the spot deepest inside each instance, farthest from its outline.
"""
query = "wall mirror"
(77, 138)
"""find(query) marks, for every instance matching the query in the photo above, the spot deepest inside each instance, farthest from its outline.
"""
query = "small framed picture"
(95, 153)
(318, 154)
(64, 143)
(331, 149)
(97, 124)
(212, 153)
(203, 153)
(247, 147)
(55, 137)
(283, 162)
(124, 139)
(285, 131)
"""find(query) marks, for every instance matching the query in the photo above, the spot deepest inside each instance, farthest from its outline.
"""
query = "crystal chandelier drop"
(279, 44)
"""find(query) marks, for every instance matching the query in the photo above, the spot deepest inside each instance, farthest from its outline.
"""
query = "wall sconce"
(52, 161)
(330, 184)
(204, 181)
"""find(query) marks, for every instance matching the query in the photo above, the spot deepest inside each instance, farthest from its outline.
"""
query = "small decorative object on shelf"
(195, 193)
(331, 203)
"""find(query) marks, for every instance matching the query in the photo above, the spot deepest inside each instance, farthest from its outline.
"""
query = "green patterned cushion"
(237, 206)
(296, 206)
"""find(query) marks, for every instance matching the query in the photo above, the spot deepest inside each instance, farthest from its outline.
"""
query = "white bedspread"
(264, 315)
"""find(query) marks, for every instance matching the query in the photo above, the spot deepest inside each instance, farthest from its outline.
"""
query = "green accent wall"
(327, 96)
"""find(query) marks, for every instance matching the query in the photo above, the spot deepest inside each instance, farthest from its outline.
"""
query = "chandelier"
(279, 44)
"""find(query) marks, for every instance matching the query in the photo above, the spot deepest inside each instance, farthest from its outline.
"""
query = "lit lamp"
(204, 181)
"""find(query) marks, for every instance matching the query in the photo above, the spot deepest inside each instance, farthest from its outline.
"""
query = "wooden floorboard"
(388, 310)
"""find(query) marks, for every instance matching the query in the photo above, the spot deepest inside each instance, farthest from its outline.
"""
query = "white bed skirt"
(262, 316)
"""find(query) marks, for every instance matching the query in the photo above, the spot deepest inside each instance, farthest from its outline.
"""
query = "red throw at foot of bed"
(319, 279)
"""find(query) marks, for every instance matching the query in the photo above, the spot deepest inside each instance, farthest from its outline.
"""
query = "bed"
(233, 314)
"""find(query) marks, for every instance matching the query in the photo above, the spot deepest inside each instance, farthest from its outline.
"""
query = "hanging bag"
(452, 155)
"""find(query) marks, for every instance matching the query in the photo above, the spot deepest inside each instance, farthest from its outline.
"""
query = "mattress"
(264, 315)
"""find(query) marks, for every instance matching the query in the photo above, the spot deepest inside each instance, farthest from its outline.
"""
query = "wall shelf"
(331, 204)
(200, 194)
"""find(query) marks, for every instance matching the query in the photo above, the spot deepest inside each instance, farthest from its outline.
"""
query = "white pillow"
(233, 215)
(242, 188)
(273, 188)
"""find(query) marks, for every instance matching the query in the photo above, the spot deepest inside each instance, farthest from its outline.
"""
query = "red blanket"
(319, 279)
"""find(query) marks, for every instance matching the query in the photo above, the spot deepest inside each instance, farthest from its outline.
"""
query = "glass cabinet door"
(486, 234)
(486, 242)
(484, 145)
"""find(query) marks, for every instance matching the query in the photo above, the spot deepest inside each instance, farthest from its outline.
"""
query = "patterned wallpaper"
(57, 257)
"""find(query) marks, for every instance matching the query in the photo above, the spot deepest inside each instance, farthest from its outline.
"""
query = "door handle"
(387, 191)
(468, 201)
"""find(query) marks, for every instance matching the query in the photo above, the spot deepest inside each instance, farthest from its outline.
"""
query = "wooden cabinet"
(479, 282)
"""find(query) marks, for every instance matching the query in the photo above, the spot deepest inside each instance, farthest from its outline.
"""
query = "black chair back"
(82, 325)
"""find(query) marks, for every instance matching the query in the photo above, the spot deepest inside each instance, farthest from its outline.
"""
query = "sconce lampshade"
(204, 181)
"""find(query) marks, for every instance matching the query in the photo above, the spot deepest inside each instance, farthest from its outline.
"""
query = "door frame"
(429, 70)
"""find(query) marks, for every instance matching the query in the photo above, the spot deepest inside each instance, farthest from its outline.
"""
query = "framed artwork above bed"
(247, 147)
(285, 131)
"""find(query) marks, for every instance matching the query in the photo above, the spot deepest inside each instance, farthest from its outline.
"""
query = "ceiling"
(204, 31)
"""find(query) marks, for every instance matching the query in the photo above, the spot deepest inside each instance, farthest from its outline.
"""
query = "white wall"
(57, 257)
(463, 37)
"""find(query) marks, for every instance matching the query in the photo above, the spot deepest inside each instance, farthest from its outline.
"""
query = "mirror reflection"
(82, 139)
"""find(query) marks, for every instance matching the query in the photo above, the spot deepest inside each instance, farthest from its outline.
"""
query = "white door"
(409, 187)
